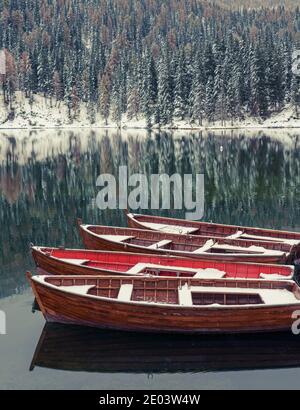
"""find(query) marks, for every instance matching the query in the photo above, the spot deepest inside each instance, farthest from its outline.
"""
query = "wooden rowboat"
(142, 241)
(58, 261)
(183, 226)
(76, 348)
(174, 305)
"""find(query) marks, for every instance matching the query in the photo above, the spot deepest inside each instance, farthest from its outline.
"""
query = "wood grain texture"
(208, 228)
(91, 236)
(51, 260)
(60, 306)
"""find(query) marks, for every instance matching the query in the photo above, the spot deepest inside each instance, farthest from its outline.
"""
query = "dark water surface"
(47, 179)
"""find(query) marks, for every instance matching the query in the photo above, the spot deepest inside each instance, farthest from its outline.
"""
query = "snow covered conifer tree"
(197, 95)
(258, 99)
(105, 96)
(165, 95)
(219, 93)
(180, 97)
(133, 94)
(295, 94)
(209, 100)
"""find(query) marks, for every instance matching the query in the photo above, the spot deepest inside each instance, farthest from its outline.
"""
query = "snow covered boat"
(183, 226)
(174, 305)
(146, 241)
(76, 348)
(58, 261)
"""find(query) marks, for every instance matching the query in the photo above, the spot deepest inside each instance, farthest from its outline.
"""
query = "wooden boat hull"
(57, 266)
(92, 241)
(47, 263)
(62, 307)
(75, 348)
(208, 228)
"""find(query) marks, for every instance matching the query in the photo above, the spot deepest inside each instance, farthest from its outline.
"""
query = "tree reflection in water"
(47, 179)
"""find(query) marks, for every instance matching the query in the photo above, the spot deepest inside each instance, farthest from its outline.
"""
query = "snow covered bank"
(46, 113)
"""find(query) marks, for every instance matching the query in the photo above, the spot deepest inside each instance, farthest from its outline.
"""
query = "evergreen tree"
(197, 98)
(258, 99)
(295, 94)
(165, 97)
(219, 93)
(180, 89)
(209, 100)
(105, 96)
(152, 60)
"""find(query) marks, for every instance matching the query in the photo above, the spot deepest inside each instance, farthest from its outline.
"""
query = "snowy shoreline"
(128, 128)
(45, 114)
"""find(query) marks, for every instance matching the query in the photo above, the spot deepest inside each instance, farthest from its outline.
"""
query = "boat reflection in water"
(76, 348)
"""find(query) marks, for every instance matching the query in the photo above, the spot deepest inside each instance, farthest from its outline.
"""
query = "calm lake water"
(48, 178)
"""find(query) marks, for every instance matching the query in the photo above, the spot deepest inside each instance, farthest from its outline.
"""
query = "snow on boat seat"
(116, 238)
(209, 273)
(159, 244)
(125, 292)
(254, 248)
(274, 276)
(235, 235)
(80, 290)
(268, 296)
(250, 249)
(185, 296)
(75, 261)
(170, 228)
(271, 239)
(208, 244)
(139, 267)
(278, 297)
(184, 230)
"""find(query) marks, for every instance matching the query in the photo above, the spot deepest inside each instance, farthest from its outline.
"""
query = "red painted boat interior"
(122, 262)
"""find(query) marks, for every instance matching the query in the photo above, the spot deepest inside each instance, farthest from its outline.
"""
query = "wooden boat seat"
(170, 228)
(185, 296)
(268, 296)
(75, 261)
(291, 242)
(250, 249)
(209, 273)
(125, 292)
(81, 290)
(140, 267)
(254, 249)
(160, 244)
(116, 238)
(208, 245)
(137, 268)
(274, 276)
(236, 235)
(278, 296)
